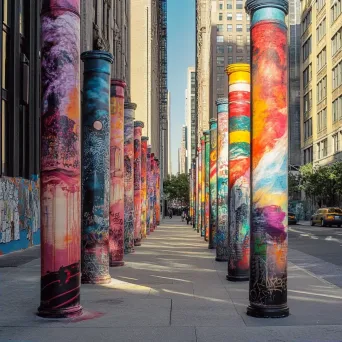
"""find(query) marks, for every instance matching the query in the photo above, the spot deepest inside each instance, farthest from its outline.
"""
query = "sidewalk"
(171, 289)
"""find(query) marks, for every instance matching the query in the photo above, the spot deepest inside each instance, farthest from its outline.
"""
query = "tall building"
(168, 149)
(190, 116)
(182, 154)
(230, 43)
(321, 81)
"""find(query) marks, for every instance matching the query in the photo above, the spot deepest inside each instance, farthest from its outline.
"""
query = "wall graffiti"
(213, 184)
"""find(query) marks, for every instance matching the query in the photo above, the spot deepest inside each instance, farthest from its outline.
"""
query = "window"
(220, 49)
(248, 27)
(337, 75)
(220, 16)
(238, 16)
(248, 17)
(239, 40)
(221, 5)
(308, 155)
(239, 59)
(322, 89)
(229, 16)
(239, 4)
(219, 27)
(220, 69)
(230, 48)
(336, 141)
(320, 30)
(307, 49)
(307, 101)
(306, 21)
(307, 75)
(324, 147)
(322, 120)
(220, 61)
(230, 28)
(321, 59)
(239, 49)
(335, 10)
(248, 39)
(337, 109)
(219, 39)
(230, 39)
(220, 78)
(230, 60)
(229, 4)
(319, 4)
(336, 42)
(239, 28)
(307, 129)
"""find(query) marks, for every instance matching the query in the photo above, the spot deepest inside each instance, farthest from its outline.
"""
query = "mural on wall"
(207, 178)
(222, 180)
(239, 171)
(203, 186)
(213, 184)
(129, 176)
(143, 186)
(116, 191)
(95, 167)
(60, 165)
(269, 153)
(149, 190)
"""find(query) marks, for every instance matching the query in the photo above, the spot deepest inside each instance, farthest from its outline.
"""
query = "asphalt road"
(324, 243)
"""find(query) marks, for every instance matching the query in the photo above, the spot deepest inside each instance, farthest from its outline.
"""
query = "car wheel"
(322, 223)
(312, 223)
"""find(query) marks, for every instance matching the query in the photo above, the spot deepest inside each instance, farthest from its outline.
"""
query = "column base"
(219, 259)
(99, 280)
(268, 312)
(116, 263)
(137, 242)
(71, 312)
(236, 279)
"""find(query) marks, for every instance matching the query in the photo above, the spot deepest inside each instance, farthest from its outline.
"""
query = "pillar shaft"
(149, 191)
(144, 186)
(203, 186)
(116, 201)
(153, 193)
(197, 197)
(60, 173)
(129, 176)
(269, 159)
(138, 126)
(207, 178)
(157, 192)
(193, 190)
(213, 184)
(222, 180)
(199, 183)
(95, 167)
(239, 171)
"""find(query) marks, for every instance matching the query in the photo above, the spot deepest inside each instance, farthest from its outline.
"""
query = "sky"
(181, 49)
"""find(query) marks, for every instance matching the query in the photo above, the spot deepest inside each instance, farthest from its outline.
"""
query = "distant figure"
(170, 213)
(183, 215)
(188, 218)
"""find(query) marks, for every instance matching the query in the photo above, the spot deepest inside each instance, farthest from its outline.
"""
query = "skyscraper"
(191, 116)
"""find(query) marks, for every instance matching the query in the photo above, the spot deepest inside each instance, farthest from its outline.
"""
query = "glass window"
(335, 10)
(239, 59)
(336, 140)
(320, 30)
(238, 16)
(306, 21)
(239, 28)
(220, 49)
(220, 61)
(307, 75)
(220, 16)
(229, 16)
(239, 4)
(320, 4)
(337, 109)
(322, 120)
(307, 49)
(221, 5)
(230, 60)
(239, 40)
(322, 59)
(230, 48)
(230, 28)
(219, 39)
(229, 4)
(336, 42)
(307, 129)
(219, 27)
(308, 155)
(307, 101)
(337, 75)
(322, 89)
(230, 39)
(248, 17)
(220, 78)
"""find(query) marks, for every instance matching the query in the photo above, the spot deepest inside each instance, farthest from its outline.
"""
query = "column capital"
(253, 5)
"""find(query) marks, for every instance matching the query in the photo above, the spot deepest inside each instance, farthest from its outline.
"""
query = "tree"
(176, 188)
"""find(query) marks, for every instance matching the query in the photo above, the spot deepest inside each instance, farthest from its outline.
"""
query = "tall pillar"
(222, 180)
(60, 173)
(197, 196)
(269, 159)
(116, 193)
(213, 184)
(193, 182)
(149, 191)
(199, 183)
(138, 126)
(95, 167)
(129, 176)
(207, 178)
(239, 172)
(203, 186)
(157, 192)
(144, 186)
(153, 196)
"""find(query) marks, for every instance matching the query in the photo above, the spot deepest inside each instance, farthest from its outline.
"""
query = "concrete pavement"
(171, 289)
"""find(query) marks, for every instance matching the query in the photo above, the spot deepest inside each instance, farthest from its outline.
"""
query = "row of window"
(220, 62)
(321, 94)
(230, 28)
(238, 4)
(239, 49)
(238, 16)
(322, 148)
(335, 10)
(321, 30)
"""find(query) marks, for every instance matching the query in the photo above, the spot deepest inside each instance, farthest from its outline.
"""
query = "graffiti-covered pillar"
(129, 176)
(203, 186)
(199, 184)
(239, 171)
(269, 159)
(60, 162)
(153, 194)
(157, 192)
(207, 178)
(194, 195)
(222, 180)
(149, 190)
(213, 184)
(138, 126)
(144, 186)
(116, 192)
(95, 167)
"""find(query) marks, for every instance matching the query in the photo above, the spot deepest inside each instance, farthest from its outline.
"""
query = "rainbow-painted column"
(269, 159)
(153, 194)
(222, 180)
(191, 195)
(129, 176)
(157, 193)
(138, 126)
(199, 183)
(144, 186)
(213, 184)
(207, 179)
(149, 191)
(193, 190)
(60, 173)
(197, 195)
(203, 186)
(117, 183)
(95, 167)
(239, 171)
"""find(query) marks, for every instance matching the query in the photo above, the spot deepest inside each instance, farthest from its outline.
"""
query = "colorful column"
(129, 176)
(222, 180)
(203, 186)
(199, 183)
(269, 159)
(197, 195)
(144, 186)
(116, 192)
(149, 191)
(193, 190)
(60, 173)
(138, 126)
(239, 172)
(153, 194)
(95, 167)
(157, 192)
(207, 178)
(213, 184)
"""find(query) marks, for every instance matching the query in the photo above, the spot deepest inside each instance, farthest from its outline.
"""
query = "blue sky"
(181, 50)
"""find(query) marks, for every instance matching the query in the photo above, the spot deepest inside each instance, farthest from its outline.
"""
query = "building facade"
(182, 152)
(321, 81)
(190, 115)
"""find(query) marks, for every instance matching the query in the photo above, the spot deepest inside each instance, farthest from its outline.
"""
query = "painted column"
(197, 196)
(213, 184)
(239, 172)
(116, 193)
(222, 180)
(129, 176)
(269, 159)
(203, 186)
(199, 225)
(95, 167)
(144, 186)
(193, 182)
(157, 193)
(153, 194)
(60, 173)
(207, 178)
(149, 190)
(138, 126)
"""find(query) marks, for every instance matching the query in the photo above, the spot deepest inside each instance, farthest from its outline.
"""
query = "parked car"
(327, 217)
(292, 218)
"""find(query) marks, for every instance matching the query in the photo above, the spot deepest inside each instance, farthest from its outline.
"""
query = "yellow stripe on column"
(239, 136)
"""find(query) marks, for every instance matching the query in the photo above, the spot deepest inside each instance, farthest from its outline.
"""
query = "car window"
(335, 210)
